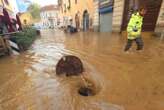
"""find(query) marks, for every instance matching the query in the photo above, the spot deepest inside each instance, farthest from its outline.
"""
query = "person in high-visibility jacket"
(134, 29)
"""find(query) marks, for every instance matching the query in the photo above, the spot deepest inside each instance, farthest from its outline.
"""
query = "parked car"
(38, 28)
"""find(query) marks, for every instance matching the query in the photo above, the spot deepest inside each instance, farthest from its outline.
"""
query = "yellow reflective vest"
(135, 23)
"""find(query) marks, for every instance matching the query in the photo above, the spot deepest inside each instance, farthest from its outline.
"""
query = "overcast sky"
(45, 2)
(20, 6)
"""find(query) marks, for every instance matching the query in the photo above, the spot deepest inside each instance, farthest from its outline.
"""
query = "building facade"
(69, 8)
(118, 11)
(26, 18)
(49, 16)
(122, 10)
(160, 21)
(96, 18)
(113, 15)
(6, 4)
(153, 20)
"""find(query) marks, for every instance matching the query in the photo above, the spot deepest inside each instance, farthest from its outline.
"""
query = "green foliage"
(34, 10)
(26, 37)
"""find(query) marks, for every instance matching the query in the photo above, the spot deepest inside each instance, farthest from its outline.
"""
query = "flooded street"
(133, 81)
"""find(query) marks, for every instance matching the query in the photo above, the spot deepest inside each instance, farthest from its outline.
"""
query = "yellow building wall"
(26, 16)
(80, 6)
(8, 7)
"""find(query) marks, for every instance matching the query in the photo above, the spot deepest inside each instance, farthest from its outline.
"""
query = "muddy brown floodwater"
(133, 81)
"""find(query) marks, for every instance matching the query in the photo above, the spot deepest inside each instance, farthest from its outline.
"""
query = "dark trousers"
(138, 41)
(71, 29)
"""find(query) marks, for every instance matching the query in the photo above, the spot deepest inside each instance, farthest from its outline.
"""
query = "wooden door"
(153, 7)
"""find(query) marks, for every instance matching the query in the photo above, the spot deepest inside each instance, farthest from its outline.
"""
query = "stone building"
(49, 16)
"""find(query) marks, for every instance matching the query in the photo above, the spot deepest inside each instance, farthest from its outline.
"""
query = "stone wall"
(118, 10)
(96, 16)
(160, 21)
(80, 6)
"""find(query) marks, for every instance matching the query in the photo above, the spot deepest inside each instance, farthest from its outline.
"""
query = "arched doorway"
(153, 7)
(85, 20)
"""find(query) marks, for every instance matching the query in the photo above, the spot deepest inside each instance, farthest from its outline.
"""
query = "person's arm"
(139, 26)
(130, 24)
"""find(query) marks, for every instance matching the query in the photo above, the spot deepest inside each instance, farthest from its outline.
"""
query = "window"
(65, 8)
(69, 5)
(75, 1)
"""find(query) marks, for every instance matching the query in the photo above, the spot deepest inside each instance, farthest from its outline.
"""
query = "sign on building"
(106, 3)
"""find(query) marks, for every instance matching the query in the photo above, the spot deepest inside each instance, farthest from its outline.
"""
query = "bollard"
(70, 66)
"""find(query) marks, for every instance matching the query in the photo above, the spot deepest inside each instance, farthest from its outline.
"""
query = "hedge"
(26, 37)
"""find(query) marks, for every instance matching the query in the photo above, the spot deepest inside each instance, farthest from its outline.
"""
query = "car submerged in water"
(38, 29)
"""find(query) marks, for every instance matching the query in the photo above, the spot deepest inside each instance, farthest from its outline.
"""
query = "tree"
(34, 10)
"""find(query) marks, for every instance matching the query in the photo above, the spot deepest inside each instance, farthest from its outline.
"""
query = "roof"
(50, 8)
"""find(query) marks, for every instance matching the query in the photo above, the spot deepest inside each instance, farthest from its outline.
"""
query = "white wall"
(96, 16)
(118, 11)
(45, 15)
(160, 21)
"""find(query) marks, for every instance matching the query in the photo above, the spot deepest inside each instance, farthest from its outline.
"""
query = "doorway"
(150, 19)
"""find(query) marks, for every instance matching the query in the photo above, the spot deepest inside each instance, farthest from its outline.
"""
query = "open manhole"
(86, 91)
(72, 66)
(88, 88)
